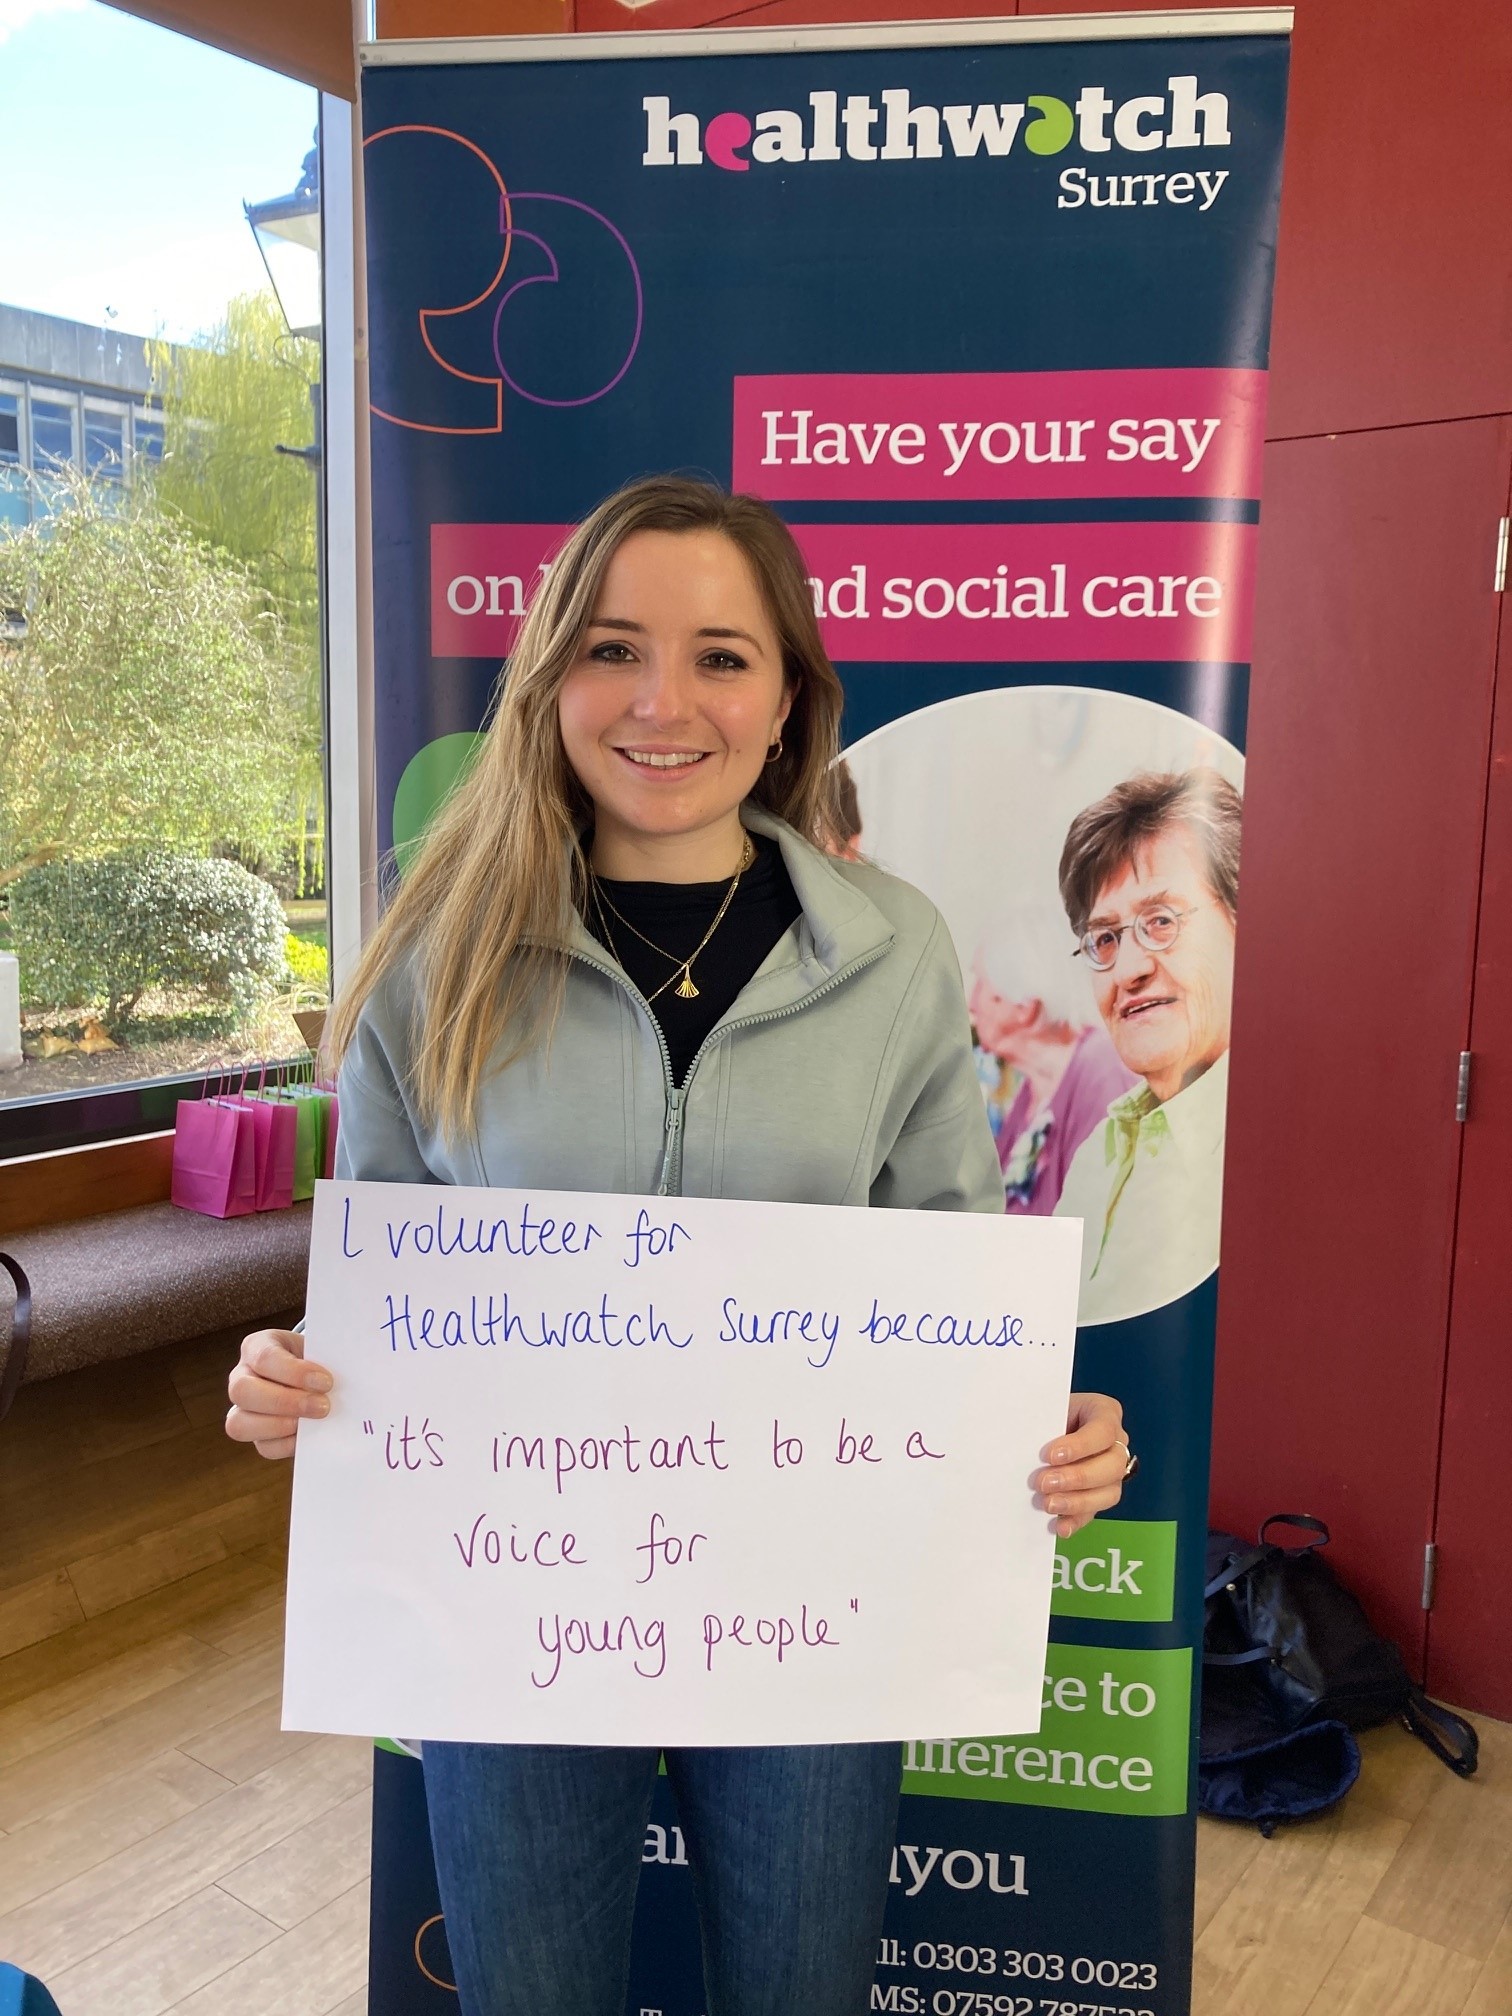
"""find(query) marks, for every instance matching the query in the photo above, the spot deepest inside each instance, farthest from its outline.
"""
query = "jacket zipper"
(671, 1176)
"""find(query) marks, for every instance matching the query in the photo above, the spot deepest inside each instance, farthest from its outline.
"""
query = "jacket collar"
(839, 924)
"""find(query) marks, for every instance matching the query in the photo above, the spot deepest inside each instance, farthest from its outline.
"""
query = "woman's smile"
(663, 762)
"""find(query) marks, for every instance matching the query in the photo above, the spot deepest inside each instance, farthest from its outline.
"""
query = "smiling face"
(1167, 1012)
(1000, 1024)
(675, 696)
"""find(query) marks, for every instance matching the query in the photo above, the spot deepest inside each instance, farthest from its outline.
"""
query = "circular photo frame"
(1083, 848)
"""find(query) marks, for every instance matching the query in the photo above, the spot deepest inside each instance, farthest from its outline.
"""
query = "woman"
(1033, 1014)
(620, 962)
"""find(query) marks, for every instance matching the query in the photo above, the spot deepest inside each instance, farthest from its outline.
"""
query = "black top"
(676, 915)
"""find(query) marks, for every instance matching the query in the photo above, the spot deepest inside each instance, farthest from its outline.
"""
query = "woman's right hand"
(272, 1386)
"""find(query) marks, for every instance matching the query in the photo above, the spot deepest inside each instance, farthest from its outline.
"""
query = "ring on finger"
(1131, 1461)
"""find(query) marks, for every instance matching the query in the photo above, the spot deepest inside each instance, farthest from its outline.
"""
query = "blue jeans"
(538, 1850)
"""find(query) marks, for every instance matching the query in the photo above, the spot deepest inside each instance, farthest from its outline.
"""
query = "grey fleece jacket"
(842, 1074)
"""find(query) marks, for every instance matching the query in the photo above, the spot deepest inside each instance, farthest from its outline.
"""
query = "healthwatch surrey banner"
(984, 310)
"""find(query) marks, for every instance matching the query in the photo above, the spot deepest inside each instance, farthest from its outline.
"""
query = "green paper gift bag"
(311, 1112)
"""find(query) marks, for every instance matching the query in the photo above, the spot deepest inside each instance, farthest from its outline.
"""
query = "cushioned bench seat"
(108, 1286)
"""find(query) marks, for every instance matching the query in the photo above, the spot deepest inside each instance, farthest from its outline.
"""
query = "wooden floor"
(164, 1847)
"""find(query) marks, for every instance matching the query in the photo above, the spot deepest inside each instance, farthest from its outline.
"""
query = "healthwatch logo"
(857, 128)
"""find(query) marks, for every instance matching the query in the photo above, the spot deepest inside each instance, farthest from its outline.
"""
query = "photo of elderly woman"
(1083, 848)
(1150, 879)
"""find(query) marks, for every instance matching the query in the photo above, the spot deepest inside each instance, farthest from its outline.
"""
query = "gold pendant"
(685, 990)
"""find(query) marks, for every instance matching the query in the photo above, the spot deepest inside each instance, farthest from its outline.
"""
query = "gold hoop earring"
(774, 751)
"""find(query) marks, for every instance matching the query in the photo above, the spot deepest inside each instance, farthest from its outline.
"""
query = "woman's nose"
(661, 694)
(1133, 959)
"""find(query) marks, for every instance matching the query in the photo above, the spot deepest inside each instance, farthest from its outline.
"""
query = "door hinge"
(1430, 1573)
(1462, 1088)
(1503, 538)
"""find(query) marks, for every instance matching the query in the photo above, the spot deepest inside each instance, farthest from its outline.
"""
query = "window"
(147, 436)
(164, 773)
(15, 484)
(105, 442)
(52, 429)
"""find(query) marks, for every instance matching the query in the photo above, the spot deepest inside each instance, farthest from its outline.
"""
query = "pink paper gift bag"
(214, 1158)
(280, 1183)
(273, 1141)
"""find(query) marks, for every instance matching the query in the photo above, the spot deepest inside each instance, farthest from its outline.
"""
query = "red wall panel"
(1470, 1629)
(1369, 712)
(1394, 274)
(1394, 281)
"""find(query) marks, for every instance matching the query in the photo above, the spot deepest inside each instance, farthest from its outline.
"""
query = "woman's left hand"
(1086, 1465)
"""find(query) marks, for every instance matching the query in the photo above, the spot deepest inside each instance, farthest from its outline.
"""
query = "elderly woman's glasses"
(1157, 929)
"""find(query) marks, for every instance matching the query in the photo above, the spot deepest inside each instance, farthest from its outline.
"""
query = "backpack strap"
(1432, 1724)
(20, 1344)
(1236, 1570)
(1251, 1658)
(1304, 1520)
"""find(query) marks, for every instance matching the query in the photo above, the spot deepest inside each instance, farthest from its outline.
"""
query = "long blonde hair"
(486, 905)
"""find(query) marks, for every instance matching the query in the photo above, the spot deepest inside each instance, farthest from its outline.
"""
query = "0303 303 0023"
(1015, 1963)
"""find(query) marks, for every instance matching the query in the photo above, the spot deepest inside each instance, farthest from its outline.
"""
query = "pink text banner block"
(1097, 593)
(983, 436)
(482, 579)
(1028, 593)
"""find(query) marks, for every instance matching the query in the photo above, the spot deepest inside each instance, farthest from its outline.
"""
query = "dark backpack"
(20, 1342)
(1290, 1668)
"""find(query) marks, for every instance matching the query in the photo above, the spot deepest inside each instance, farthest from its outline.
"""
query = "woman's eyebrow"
(1161, 899)
(708, 630)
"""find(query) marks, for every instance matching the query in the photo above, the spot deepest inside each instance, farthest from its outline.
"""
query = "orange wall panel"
(598, 15)
(404, 20)
(313, 40)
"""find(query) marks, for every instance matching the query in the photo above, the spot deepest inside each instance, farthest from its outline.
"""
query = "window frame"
(51, 396)
(15, 388)
(78, 1117)
(141, 411)
(58, 1120)
(117, 409)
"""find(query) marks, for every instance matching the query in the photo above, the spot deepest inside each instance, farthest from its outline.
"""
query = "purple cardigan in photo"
(1094, 1079)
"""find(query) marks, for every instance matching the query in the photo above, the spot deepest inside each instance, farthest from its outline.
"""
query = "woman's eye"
(722, 661)
(612, 653)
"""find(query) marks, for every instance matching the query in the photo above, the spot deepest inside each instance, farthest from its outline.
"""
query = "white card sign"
(631, 1470)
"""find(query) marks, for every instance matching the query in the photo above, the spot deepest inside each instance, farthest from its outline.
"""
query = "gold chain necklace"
(686, 991)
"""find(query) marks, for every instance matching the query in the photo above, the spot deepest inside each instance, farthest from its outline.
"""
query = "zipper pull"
(674, 1121)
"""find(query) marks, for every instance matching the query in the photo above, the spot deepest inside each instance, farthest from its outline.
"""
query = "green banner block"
(1113, 1738)
(1123, 1568)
